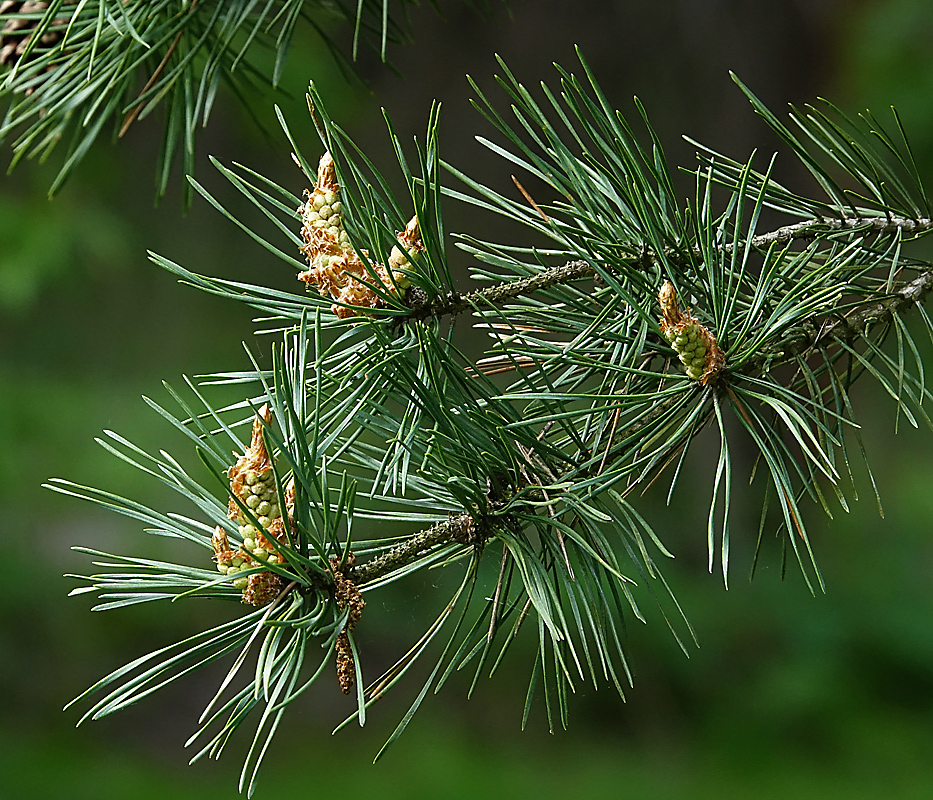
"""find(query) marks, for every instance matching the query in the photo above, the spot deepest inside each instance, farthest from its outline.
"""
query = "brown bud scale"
(347, 595)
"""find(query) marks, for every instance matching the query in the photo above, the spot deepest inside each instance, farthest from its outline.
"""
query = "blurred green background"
(789, 695)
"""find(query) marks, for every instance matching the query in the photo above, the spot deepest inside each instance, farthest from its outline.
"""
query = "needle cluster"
(380, 449)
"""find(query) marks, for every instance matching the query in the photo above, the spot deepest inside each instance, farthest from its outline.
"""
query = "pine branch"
(65, 73)
(850, 326)
(458, 529)
(456, 303)
(808, 229)
(603, 391)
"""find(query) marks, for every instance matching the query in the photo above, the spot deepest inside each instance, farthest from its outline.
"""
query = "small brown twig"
(531, 202)
(137, 108)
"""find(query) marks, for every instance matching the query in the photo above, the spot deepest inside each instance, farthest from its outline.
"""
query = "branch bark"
(456, 303)
(848, 326)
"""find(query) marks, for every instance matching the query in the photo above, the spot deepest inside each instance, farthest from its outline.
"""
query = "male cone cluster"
(335, 267)
(696, 347)
(252, 482)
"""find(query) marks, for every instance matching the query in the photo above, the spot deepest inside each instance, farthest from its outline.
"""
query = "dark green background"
(788, 696)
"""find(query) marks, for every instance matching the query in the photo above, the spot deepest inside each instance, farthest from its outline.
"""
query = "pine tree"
(628, 321)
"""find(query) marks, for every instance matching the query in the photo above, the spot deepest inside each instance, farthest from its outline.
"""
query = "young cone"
(696, 346)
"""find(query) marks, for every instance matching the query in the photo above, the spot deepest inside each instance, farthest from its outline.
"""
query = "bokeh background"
(789, 695)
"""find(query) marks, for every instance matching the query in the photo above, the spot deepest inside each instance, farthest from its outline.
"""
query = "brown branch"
(134, 112)
(456, 303)
(855, 323)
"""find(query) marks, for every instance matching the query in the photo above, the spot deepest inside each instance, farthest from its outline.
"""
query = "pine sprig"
(645, 320)
(69, 69)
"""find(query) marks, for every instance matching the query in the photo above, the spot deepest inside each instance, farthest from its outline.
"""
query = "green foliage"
(515, 472)
(94, 63)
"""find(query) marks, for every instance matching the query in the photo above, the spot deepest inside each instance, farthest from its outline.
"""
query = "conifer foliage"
(69, 68)
(627, 321)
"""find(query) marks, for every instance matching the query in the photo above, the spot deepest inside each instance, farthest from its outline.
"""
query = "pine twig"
(459, 528)
(456, 303)
(845, 327)
(850, 325)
